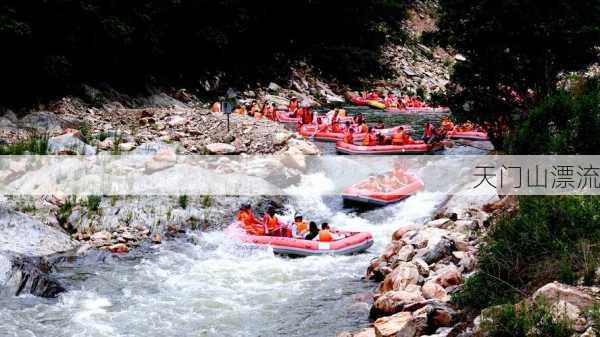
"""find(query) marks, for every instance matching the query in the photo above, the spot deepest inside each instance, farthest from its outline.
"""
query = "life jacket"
(335, 127)
(325, 235)
(447, 125)
(307, 116)
(374, 96)
(249, 223)
(301, 227)
(407, 140)
(363, 128)
(428, 132)
(348, 137)
(370, 139)
(398, 138)
(271, 223)
(293, 106)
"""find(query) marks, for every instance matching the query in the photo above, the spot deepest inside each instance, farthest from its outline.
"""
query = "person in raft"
(313, 231)
(428, 132)
(271, 224)
(325, 234)
(299, 228)
(349, 134)
(370, 138)
(293, 107)
(249, 222)
(401, 137)
(306, 115)
(358, 119)
(447, 124)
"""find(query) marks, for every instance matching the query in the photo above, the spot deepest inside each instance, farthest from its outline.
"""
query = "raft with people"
(346, 242)
(326, 134)
(382, 190)
(417, 147)
(468, 135)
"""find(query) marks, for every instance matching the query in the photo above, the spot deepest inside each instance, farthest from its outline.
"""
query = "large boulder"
(392, 302)
(432, 290)
(30, 275)
(555, 292)
(401, 277)
(69, 144)
(22, 234)
(399, 325)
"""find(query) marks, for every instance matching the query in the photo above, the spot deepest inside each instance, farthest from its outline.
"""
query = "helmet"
(297, 215)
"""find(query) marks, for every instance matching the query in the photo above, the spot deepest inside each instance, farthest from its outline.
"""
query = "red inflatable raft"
(418, 110)
(328, 136)
(358, 100)
(284, 117)
(417, 148)
(350, 243)
(359, 194)
(470, 135)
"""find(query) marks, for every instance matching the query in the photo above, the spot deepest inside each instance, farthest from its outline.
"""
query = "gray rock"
(30, 275)
(69, 144)
(22, 234)
(274, 86)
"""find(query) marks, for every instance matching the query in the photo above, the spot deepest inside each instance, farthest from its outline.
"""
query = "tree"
(515, 49)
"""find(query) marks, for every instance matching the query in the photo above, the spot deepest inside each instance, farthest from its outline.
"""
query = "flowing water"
(207, 285)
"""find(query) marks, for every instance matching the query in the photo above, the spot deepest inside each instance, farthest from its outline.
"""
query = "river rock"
(126, 147)
(281, 138)
(438, 247)
(402, 276)
(30, 275)
(274, 86)
(555, 292)
(449, 277)
(399, 325)
(118, 248)
(176, 120)
(439, 223)
(303, 147)
(392, 302)
(221, 148)
(22, 234)
(69, 144)
(422, 266)
(432, 290)
(406, 253)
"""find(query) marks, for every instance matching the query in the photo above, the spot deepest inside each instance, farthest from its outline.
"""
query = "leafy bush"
(563, 123)
(520, 252)
(524, 320)
(93, 202)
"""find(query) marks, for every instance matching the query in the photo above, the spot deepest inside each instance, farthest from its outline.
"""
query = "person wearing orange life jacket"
(307, 116)
(248, 222)
(390, 100)
(299, 227)
(325, 234)
(447, 124)
(370, 138)
(293, 107)
(349, 134)
(398, 137)
(271, 223)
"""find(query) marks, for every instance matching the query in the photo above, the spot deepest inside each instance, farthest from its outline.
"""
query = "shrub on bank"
(551, 238)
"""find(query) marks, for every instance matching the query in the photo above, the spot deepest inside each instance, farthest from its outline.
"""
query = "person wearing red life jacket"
(428, 132)
(306, 116)
(374, 96)
(293, 107)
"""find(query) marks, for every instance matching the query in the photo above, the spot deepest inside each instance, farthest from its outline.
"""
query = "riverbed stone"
(402, 276)
(399, 325)
(392, 302)
(406, 253)
(433, 290)
(221, 148)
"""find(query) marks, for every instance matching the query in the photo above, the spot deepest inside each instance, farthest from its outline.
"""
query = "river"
(206, 285)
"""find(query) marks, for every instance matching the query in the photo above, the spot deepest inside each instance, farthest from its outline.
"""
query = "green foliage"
(86, 132)
(64, 211)
(594, 316)
(93, 202)
(35, 144)
(563, 123)
(56, 45)
(183, 201)
(520, 251)
(524, 320)
(515, 45)
(207, 201)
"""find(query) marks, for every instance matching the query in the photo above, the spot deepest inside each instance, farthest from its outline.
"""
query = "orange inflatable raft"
(470, 135)
(350, 242)
(419, 147)
(359, 194)
(309, 130)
